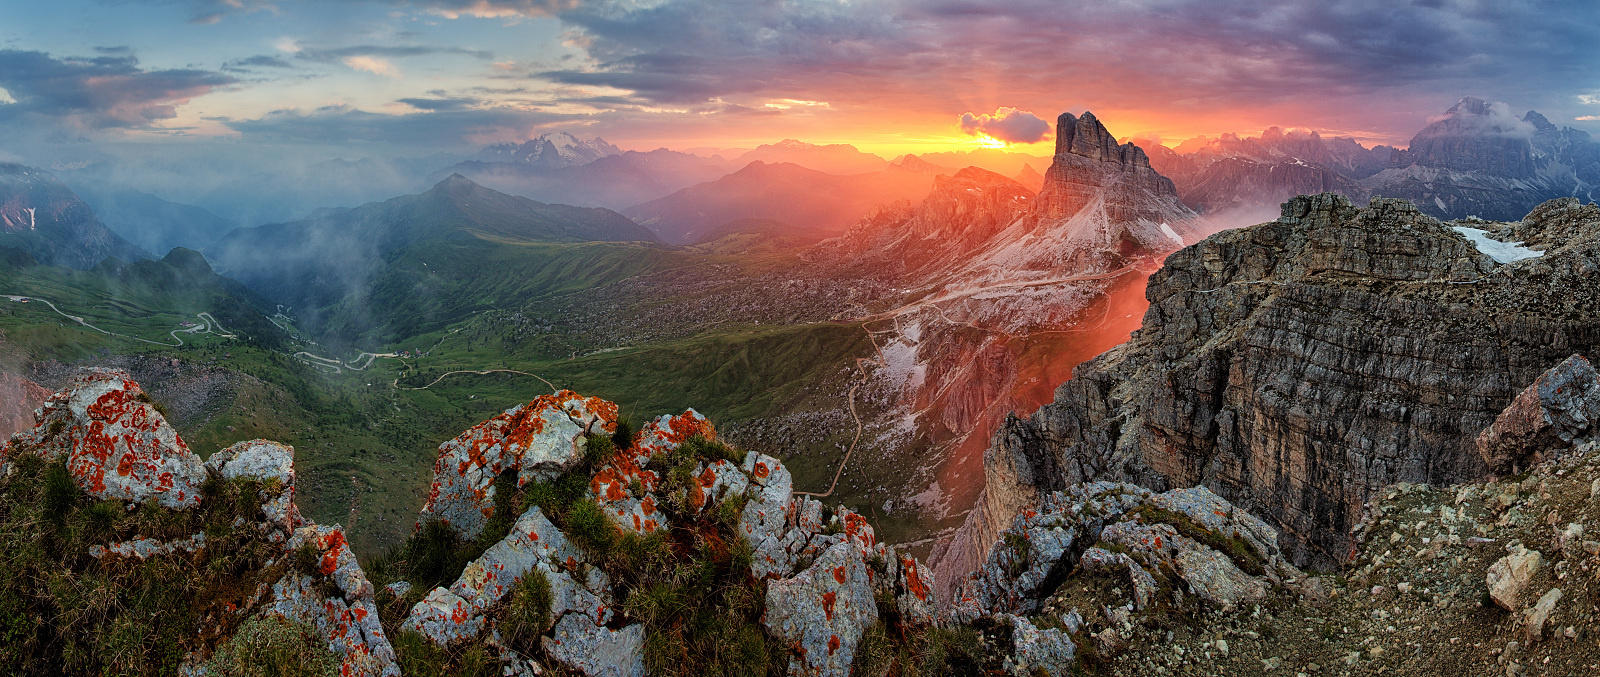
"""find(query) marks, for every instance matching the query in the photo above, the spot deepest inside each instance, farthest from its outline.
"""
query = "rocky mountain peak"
(1538, 120)
(1086, 136)
(1469, 105)
(1091, 169)
(1239, 326)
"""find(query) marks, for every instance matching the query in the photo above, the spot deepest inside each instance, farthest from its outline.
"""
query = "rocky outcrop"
(538, 440)
(823, 571)
(116, 444)
(1298, 366)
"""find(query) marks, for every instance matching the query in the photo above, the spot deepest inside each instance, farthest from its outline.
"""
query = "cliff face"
(1183, 582)
(1297, 366)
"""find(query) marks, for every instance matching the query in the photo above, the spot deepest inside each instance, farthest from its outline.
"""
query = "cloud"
(92, 93)
(1587, 118)
(386, 51)
(372, 64)
(498, 9)
(254, 62)
(1006, 124)
(1312, 64)
(440, 104)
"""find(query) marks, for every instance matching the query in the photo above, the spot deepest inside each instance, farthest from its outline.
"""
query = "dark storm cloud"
(99, 92)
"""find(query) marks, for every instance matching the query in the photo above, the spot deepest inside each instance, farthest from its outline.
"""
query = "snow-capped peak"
(553, 150)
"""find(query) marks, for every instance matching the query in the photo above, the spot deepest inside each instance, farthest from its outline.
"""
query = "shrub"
(528, 615)
(271, 645)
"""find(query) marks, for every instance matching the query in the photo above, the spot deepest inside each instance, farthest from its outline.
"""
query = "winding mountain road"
(207, 322)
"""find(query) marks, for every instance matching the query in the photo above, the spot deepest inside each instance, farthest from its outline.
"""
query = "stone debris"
(1049, 651)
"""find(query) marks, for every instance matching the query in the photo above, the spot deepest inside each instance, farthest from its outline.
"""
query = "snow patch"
(1501, 252)
(1169, 232)
(1440, 202)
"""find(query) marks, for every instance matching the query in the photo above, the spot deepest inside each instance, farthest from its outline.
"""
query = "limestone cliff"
(1298, 366)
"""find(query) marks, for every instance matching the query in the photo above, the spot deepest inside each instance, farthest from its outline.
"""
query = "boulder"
(625, 489)
(1560, 406)
(349, 620)
(267, 462)
(534, 543)
(1510, 575)
(117, 445)
(596, 650)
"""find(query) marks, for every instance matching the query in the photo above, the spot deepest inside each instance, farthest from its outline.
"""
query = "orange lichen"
(913, 580)
(828, 599)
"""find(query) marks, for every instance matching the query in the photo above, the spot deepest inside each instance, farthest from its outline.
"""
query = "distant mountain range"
(556, 150)
(152, 223)
(41, 216)
(817, 204)
(1477, 159)
(333, 256)
(613, 181)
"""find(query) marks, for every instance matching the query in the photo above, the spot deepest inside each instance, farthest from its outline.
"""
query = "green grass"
(62, 611)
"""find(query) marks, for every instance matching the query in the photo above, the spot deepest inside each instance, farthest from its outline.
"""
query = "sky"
(354, 78)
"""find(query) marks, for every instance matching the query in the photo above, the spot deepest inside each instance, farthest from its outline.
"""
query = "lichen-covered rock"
(822, 612)
(116, 443)
(625, 488)
(459, 612)
(145, 548)
(768, 509)
(1560, 406)
(349, 620)
(596, 650)
(539, 440)
(268, 462)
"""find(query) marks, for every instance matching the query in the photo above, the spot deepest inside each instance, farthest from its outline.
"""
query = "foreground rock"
(117, 445)
(113, 443)
(538, 440)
